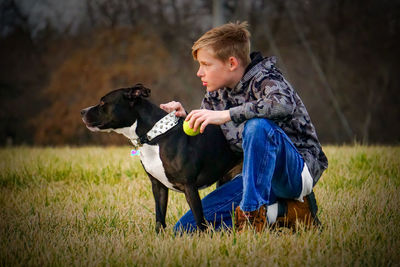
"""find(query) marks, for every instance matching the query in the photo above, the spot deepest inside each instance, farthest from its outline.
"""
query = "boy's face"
(213, 72)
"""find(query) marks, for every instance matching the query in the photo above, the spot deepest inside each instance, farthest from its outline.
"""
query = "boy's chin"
(211, 89)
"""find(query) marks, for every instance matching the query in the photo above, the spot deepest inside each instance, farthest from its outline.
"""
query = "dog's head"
(115, 110)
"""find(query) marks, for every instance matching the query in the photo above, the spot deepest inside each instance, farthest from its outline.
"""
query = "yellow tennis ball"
(189, 131)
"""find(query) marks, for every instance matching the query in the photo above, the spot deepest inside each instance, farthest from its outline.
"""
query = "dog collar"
(162, 126)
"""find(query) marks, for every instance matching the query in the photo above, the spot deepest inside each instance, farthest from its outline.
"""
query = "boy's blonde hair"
(231, 39)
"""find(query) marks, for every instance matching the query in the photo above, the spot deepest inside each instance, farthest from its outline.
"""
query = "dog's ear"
(137, 91)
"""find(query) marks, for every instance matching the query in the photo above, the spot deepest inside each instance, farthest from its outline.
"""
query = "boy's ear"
(233, 63)
(137, 91)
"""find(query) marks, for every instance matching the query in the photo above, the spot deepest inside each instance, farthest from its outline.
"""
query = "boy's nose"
(200, 73)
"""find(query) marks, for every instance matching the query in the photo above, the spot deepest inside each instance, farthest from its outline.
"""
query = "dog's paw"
(159, 227)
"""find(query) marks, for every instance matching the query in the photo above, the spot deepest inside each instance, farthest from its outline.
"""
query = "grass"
(94, 206)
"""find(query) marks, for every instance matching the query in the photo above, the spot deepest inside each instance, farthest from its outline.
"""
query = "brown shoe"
(250, 219)
(300, 212)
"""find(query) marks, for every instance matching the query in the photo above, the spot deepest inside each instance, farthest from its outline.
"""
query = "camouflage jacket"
(264, 92)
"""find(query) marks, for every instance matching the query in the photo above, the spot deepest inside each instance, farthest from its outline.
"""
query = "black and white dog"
(172, 159)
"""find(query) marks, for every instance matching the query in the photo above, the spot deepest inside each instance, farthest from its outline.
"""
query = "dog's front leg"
(193, 198)
(160, 193)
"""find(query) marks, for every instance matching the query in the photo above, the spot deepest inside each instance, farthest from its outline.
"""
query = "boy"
(262, 116)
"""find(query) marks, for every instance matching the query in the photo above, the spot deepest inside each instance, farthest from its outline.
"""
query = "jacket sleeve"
(274, 100)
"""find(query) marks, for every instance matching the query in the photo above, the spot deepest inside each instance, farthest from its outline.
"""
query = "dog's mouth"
(90, 124)
(94, 126)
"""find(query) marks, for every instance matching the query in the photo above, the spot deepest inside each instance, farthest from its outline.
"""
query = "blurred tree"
(341, 56)
(105, 60)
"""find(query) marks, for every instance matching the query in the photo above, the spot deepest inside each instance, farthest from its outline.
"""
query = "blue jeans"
(272, 169)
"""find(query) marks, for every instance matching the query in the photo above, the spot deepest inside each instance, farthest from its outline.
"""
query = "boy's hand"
(205, 117)
(173, 105)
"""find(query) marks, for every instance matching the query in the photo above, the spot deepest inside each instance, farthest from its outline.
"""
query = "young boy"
(262, 116)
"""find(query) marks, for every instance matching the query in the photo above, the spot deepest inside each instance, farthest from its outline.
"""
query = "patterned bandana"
(163, 125)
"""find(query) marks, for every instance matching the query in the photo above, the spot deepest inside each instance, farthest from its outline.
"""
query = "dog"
(172, 160)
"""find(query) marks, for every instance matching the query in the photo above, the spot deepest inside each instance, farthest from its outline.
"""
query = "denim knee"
(258, 125)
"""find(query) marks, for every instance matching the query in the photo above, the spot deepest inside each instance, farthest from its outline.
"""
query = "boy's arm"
(200, 118)
(275, 101)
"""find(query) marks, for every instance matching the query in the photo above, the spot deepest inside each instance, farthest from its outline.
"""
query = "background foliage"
(58, 57)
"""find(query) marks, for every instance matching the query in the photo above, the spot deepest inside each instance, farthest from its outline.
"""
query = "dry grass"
(94, 206)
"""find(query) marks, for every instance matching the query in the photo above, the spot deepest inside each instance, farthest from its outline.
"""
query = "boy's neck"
(237, 76)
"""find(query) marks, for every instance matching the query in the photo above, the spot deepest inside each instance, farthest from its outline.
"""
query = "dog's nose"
(83, 111)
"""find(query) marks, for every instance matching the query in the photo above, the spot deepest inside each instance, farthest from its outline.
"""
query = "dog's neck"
(148, 114)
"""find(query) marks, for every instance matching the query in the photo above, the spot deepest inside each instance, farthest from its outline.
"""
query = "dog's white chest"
(149, 155)
(151, 160)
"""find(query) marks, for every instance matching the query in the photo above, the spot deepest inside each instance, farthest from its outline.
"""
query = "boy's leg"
(219, 206)
(218, 209)
(272, 168)
(275, 154)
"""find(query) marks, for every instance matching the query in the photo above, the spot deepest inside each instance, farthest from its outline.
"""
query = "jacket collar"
(256, 65)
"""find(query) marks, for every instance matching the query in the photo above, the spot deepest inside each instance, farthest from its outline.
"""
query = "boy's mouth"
(204, 83)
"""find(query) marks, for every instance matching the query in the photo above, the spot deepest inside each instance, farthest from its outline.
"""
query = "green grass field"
(94, 206)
